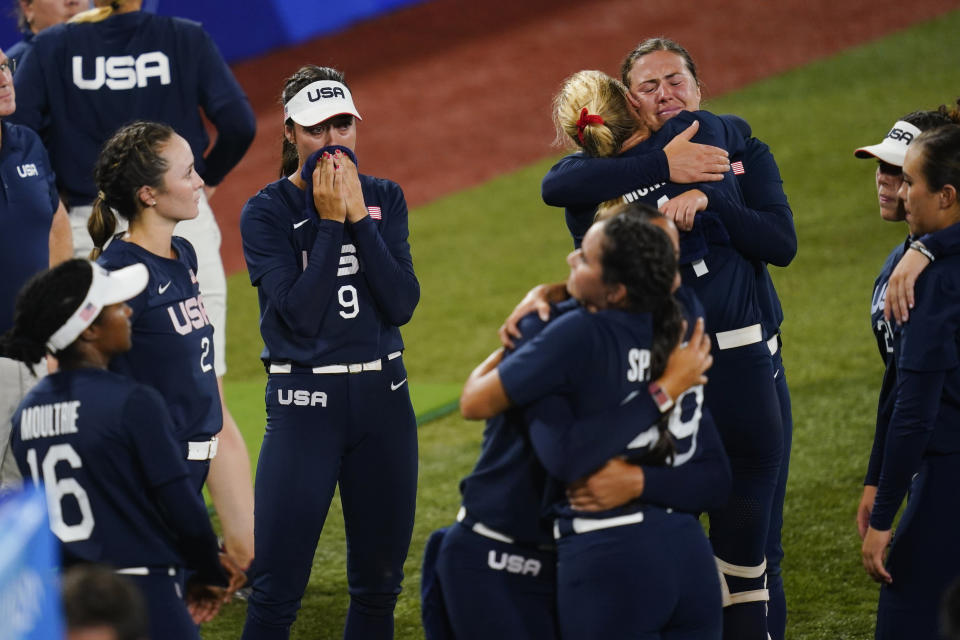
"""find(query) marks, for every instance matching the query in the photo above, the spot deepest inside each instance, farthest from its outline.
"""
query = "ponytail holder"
(586, 119)
(102, 196)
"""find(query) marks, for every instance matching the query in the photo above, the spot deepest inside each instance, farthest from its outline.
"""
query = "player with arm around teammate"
(889, 154)
(117, 488)
(500, 556)
(639, 570)
(662, 80)
(922, 442)
(594, 112)
(327, 249)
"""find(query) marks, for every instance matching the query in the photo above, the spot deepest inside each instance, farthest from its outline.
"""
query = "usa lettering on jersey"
(513, 563)
(301, 397)
(188, 315)
(27, 170)
(48, 420)
(120, 73)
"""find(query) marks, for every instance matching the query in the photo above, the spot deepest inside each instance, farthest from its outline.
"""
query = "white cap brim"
(106, 288)
(319, 101)
(893, 148)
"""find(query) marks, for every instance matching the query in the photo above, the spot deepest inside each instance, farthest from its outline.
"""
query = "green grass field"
(478, 251)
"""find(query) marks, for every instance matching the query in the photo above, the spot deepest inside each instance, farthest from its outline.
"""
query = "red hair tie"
(584, 120)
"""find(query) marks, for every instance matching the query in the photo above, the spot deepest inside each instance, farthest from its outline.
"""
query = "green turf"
(476, 253)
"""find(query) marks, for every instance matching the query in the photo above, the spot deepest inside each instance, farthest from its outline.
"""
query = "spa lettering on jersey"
(121, 72)
(302, 397)
(513, 563)
(188, 315)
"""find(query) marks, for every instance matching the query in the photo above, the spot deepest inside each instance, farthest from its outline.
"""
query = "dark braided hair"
(641, 257)
(306, 75)
(129, 160)
(44, 304)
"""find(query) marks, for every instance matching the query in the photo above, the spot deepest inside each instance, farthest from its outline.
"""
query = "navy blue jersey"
(723, 279)
(926, 412)
(943, 243)
(101, 444)
(886, 334)
(571, 449)
(330, 292)
(27, 205)
(763, 230)
(172, 338)
(82, 81)
(505, 490)
(598, 361)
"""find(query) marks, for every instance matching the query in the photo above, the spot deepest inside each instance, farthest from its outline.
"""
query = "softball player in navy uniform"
(327, 249)
(146, 175)
(117, 489)
(662, 79)
(922, 445)
(593, 111)
(889, 154)
(639, 570)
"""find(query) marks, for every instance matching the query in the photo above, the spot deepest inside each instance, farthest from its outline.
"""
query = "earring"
(153, 204)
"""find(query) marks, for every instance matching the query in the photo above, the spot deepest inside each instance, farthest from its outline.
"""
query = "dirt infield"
(454, 93)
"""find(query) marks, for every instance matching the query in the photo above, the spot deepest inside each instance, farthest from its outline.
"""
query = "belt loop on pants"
(773, 344)
(206, 450)
(481, 529)
(739, 337)
(373, 365)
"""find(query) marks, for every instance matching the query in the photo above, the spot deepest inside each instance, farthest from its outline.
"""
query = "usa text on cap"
(893, 148)
(319, 101)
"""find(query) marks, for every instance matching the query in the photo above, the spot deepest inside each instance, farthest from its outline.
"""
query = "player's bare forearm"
(231, 488)
(483, 394)
(61, 238)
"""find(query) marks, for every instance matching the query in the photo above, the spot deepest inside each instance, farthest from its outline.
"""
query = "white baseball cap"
(319, 101)
(893, 148)
(106, 288)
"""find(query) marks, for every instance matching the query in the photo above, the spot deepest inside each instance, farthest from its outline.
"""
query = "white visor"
(893, 148)
(106, 288)
(320, 101)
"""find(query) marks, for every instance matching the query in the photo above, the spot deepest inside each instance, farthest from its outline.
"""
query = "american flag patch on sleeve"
(375, 213)
(737, 168)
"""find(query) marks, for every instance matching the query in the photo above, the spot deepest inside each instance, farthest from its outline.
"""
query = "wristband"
(661, 397)
(921, 248)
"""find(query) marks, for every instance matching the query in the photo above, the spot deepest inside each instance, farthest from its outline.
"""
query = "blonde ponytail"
(592, 111)
(101, 225)
(101, 12)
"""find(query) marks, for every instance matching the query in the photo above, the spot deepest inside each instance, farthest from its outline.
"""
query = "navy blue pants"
(163, 595)
(653, 579)
(493, 589)
(357, 430)
(924, 557)
(777, 609)
(742, 396)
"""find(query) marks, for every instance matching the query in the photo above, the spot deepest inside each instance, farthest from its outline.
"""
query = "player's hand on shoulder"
(537, 299)
(328, 190)
(692, 162)
(900, 287)
(352, 191)
(683, 208)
